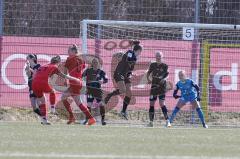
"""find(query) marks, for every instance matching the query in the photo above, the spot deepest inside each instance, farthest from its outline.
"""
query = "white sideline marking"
(53, 155)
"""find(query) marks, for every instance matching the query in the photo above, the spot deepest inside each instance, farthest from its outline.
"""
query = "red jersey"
(75, 66)
(40, 80)
(45, 71)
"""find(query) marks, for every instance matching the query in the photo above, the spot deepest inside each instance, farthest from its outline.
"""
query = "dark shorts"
(153, 98)
(158, 90)
(94, 93)
(119, 77)
(31, 94)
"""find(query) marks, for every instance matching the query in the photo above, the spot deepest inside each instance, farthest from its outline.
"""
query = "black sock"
(126, 102)
(108, 97)
(151, 113)
(165, 112)
(102, 112)
(37, 111)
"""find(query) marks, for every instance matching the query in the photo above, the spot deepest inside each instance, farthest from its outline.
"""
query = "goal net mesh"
(210, 58)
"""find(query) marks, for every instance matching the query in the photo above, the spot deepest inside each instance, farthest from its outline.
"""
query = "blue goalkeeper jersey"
(188, 91)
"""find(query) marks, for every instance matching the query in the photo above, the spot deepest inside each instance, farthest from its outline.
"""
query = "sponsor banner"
(224, 90)
(177, 54)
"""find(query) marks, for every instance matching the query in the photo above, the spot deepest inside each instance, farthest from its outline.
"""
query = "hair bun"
(35, 56)
(74, 46)
(134, 42)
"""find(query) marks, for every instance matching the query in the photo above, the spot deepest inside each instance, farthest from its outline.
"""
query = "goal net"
(209, 53)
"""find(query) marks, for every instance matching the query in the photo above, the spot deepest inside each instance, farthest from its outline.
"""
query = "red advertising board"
(177, 54)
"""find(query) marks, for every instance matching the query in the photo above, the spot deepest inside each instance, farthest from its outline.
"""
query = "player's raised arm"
(28, 69)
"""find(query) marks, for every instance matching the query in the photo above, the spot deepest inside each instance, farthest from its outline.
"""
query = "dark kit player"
(31, 68)
(95, 77)
(122, 75)
(159, 71)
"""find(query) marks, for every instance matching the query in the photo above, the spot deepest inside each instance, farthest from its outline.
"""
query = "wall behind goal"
(177, 54)
(61, 17)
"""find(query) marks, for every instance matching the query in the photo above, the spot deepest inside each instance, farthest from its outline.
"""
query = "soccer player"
(190, 92)
(74, 66)
(40, 84)
(122, 75)
(159, 71)
(31, 68)
(95, 77)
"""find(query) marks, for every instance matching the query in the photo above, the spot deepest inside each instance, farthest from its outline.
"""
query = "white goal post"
(208, 52)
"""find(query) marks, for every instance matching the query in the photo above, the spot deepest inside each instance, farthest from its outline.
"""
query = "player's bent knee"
(152, 98)
(77, 100)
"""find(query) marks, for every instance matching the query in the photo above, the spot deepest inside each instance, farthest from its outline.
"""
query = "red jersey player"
(75, 65)
(40, 84)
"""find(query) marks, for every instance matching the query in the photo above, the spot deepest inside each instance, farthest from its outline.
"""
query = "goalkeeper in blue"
(190, 92)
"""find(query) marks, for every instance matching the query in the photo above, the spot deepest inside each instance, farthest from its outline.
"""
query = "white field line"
(54, 155)
(125, 125)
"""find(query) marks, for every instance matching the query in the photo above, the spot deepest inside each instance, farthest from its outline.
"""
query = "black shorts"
(31, 94)
(160, 97)
(158, 89)
(119, 77)
(94, 93)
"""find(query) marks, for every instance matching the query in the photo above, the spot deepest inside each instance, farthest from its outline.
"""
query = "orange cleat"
(91, 121)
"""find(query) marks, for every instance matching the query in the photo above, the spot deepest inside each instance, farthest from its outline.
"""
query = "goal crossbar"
(84, 24)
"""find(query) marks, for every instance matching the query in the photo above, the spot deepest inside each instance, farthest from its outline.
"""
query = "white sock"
(53, 110)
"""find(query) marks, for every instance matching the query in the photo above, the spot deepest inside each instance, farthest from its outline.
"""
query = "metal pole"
(1, 38)
(195, 46)
(195, 50)
(98, 29)
(84, 36)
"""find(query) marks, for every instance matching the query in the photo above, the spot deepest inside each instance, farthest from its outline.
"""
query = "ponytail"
(135, 44)
(74, 48)
(33, 57)
(55, 59)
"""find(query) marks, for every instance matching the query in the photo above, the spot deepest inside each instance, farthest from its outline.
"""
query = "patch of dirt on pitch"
(22, 114)
(135, 117)
(16, 114)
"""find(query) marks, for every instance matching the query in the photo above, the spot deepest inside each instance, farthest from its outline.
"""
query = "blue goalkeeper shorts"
(188, 98)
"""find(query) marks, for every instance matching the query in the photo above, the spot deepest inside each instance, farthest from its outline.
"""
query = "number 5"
(188, 33)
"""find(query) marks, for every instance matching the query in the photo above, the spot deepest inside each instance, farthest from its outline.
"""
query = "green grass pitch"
(32, 140)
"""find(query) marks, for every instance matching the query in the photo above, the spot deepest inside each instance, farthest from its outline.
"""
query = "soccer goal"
(209, 53)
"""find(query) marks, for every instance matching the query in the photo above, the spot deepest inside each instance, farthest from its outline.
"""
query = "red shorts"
(41, 87)
(75, 88)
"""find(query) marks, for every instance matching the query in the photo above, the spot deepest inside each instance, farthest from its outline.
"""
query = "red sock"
(68, 107)
(85, 110)
(52, 98)
(43, 110)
